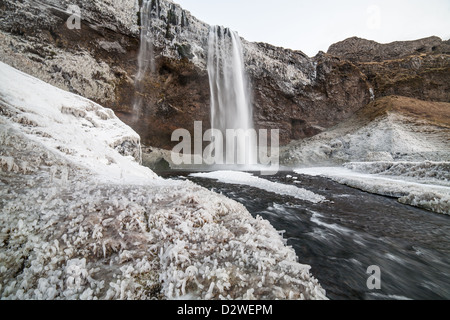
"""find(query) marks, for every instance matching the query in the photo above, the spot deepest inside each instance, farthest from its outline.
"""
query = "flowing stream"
(342, 237)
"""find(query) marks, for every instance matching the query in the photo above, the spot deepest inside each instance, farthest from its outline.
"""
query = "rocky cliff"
(391, 128)
(417, 69)
(361, 50)
(298, 94)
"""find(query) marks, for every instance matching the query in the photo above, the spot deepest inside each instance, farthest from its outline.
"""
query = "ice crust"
(415, 186)
(245, 178)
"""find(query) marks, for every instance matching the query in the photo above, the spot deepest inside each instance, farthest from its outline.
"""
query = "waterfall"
(146, 57)
(231, 107)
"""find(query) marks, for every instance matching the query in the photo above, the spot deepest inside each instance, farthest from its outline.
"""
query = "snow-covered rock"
(379, 132)
(72, 126)
(395, 146)
(81, 219)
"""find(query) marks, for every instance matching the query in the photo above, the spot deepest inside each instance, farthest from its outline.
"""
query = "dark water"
(341, 238)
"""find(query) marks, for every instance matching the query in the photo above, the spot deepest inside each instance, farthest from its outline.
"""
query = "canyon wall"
(300, 95)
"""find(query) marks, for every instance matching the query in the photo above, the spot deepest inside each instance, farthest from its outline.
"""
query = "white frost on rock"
(293, 69)
(84, 132)
(81, 219)
(427, 172)
(70, 71)
(245, 178)
(390, 137)
(123, 11)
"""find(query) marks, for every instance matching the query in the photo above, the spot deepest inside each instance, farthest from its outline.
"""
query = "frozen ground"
(81, 219)
(423, 185)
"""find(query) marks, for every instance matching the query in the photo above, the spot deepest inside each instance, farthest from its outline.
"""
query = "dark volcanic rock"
(299, 95)
(424, 76)
(417, 69)
(338, 90)
(362, 50)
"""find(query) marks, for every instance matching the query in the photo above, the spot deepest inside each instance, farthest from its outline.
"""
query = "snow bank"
(244, 178)
(80, 219)
(431, 197)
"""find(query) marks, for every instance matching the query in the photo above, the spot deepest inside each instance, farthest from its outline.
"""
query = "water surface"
(342, 237)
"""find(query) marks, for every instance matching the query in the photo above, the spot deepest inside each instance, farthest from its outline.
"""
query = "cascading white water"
(146, 57)
(231, 107)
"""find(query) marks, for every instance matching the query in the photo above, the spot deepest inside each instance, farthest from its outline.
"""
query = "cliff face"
(362, 50)
(417, 69)
(298, 94)
(392, 128)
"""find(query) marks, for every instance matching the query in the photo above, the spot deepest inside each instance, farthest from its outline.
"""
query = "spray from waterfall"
(146, 56)
(231, 106)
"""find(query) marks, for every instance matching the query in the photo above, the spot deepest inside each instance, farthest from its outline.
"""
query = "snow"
(394, 154)
(245, 178)
(428, 172)
(84, 132)
(81, 219)
(388, 138)
(432, 197)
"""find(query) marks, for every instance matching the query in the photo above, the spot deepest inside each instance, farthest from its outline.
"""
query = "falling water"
(231, 107)
(146, 57)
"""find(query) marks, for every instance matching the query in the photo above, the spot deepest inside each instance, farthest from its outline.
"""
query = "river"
(340, 238)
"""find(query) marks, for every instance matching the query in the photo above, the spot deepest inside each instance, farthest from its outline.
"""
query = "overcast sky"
(313, 25)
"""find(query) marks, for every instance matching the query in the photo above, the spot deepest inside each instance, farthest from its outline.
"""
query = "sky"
(313, 25)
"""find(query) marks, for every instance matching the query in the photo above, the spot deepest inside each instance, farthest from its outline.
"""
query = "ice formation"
(245, 178)
(410, 186)
(81, 219)
(427, 172)
(74, 127)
